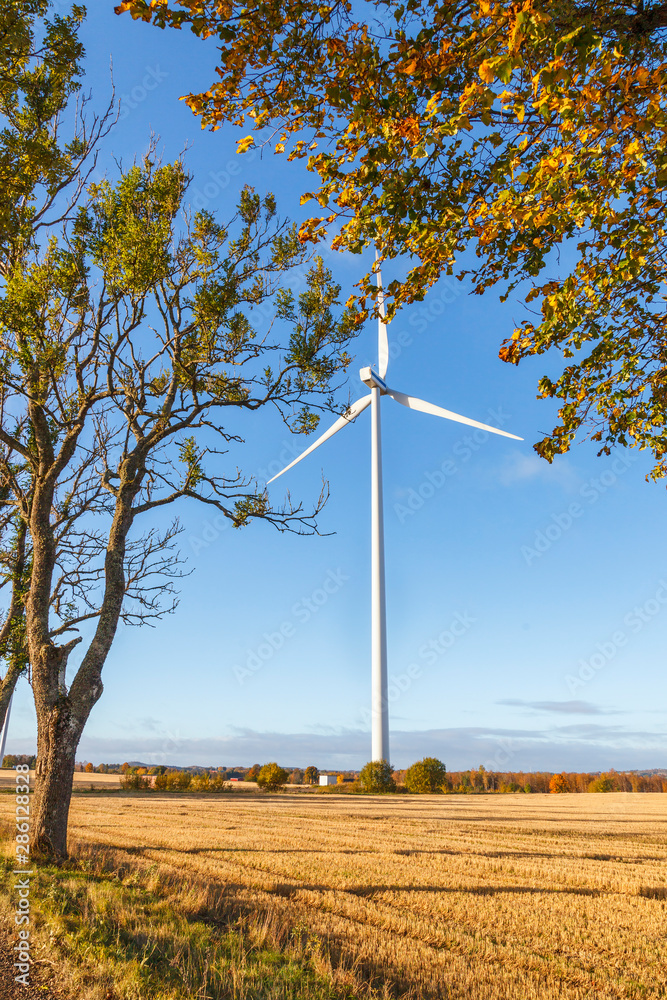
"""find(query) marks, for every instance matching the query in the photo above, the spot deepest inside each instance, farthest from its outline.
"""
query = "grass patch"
(116, 931)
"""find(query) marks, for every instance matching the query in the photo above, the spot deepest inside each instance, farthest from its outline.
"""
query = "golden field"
(480, 896)
(99, 782)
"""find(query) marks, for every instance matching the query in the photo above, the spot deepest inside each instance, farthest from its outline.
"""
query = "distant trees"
(426, 776)
(376, 776)
(296, 777)
(602, 784)
(312, 775)
(271, 777)
(253, 773)
(12, 759)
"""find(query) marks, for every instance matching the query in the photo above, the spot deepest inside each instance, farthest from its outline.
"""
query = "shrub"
(201, 782)
(272, 777)
(135, 782)
(173, 781)
(426, 776)
(376, 777)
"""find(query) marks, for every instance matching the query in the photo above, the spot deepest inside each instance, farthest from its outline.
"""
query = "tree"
(311, 775)
(252, 774)
(512, 129)
(559, 783)
(124, 346)
(39, 69)
(272, 777)
(427, 776)
(376, 776)
(296, 777)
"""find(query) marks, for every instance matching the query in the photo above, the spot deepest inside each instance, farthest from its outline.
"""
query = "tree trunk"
(58, 737)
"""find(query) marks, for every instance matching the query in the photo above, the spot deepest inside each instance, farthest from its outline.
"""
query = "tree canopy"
(517, 129)
(376, 776)
(271, 777)
(426, 776)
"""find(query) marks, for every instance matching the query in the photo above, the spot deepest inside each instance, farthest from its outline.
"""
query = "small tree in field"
(272, 776)
(427, 776)
(312, 775)
(376, 776)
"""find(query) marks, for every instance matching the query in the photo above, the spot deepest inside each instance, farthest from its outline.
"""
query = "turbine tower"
(5, 728)
(378, 388)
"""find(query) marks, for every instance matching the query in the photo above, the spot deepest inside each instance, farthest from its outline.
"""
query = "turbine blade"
(438, 411)
(354, 410)
(383, 342)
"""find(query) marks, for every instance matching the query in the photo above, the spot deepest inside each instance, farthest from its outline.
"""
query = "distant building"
(328, 779)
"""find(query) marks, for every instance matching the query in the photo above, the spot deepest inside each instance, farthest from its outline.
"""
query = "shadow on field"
(365, 891)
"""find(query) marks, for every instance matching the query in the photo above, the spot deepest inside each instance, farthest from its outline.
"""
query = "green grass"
(116, 931)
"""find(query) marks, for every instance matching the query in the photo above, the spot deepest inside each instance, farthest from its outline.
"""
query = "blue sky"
(527, 603)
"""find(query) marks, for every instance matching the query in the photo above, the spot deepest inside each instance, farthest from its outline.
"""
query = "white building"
(328, 779)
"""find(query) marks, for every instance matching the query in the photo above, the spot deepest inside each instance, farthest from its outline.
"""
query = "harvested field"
(82, 782)
(505, 896)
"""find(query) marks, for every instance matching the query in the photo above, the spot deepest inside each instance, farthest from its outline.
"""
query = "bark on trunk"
(58, 737)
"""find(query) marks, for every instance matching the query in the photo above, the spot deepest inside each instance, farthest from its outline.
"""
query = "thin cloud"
(564, 707)
(519, 467)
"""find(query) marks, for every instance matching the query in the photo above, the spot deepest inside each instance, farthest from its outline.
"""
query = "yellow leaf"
(486, 72)
(243, 145)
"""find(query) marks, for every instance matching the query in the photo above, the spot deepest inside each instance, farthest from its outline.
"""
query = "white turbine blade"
(354, 410)
(438, 411)
(383, 343)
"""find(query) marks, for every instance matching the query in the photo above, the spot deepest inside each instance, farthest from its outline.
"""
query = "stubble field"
(505, 896)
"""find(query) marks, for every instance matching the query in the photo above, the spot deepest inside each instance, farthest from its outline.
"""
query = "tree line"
(427, 776)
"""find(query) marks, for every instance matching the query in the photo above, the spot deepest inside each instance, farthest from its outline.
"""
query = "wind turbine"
(5, 728)
(375, 381)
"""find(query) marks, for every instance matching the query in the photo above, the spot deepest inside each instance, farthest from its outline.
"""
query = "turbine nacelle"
(372, 379)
